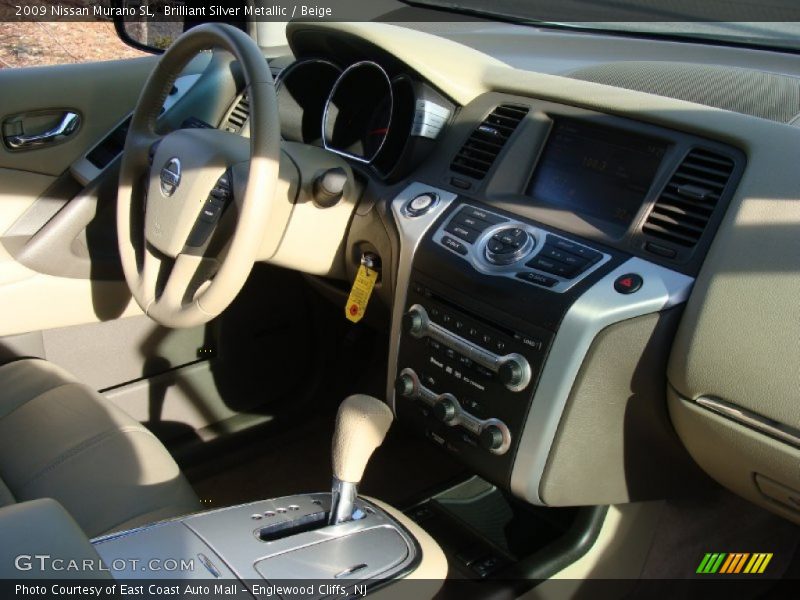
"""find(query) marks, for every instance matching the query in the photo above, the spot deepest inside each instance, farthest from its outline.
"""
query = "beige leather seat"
(60, 439)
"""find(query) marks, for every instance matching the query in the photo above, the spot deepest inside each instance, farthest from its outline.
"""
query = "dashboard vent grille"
(683, 209)
(239, 115)
(479, 152)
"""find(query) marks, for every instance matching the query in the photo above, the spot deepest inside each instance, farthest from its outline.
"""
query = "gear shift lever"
(361, 425)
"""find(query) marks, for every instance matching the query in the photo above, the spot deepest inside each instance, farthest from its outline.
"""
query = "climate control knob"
(405, 385)
(445, 410)
(491, 438)
(414, 320)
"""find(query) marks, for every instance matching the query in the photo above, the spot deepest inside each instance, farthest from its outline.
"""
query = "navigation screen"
(596, 171)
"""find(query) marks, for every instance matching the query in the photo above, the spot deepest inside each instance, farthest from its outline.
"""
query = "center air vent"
(479, 152)
(238, 116)
(684, 208)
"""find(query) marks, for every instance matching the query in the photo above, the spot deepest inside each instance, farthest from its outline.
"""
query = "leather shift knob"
(361, 425)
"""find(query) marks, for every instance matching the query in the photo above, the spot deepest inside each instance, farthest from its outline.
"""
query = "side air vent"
(479, 152)
(682, 211)
(238, 116)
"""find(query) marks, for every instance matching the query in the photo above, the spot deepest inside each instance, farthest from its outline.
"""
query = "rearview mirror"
(151, 36)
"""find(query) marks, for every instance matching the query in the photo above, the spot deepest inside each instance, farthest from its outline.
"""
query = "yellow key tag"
(359, 295)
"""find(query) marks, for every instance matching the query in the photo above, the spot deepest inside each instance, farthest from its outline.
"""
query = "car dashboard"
(587, 285)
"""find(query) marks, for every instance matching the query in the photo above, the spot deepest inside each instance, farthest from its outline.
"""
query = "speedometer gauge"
(358, 113)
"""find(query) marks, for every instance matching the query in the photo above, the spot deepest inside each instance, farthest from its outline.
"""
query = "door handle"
(68, 125)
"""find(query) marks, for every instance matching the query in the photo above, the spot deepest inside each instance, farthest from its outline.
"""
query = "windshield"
(773, 24)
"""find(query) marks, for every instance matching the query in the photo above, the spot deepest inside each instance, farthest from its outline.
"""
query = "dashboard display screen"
(600, 173)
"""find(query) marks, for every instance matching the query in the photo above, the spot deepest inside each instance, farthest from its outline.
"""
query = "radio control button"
(463, 232)
(454, 245)
(565, 257)
(470, 221)
(497, 246)
(414, 321)
(552, 266)
(483, 215)
(561, 244)
(511, 372)
(538, 279)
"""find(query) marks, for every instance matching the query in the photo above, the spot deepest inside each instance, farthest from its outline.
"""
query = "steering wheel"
(193, 205)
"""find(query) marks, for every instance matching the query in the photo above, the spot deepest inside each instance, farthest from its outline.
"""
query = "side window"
(34, 43)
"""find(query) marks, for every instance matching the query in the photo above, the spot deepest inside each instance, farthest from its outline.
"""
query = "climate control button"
(491, 438)
(405, 385)
(445, 410)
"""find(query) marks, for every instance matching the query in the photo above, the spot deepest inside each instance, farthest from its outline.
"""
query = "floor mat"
(402, 471)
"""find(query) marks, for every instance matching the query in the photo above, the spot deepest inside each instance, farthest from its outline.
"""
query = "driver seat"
(60, 439)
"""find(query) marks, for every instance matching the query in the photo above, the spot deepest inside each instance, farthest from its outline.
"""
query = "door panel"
(102, 93)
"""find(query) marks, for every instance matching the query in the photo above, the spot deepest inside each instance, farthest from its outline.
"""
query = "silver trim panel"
(599, 307)
(411, 230)
(429, 119)
(763, 425)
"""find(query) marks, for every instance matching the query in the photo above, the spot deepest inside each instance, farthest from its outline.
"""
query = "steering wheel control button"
(454, 245)
(422, 204)
(538, 279)
(628, 284)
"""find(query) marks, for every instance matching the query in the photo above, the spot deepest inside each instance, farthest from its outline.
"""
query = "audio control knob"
(491, 438)
(513, 372)
(414, 321)
(405, 385)
(445, 410)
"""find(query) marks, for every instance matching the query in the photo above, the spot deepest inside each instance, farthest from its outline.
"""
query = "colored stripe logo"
(734, 563)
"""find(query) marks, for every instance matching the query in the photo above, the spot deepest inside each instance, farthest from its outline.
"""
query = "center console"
(545, 254)
(499, 315)
(337, 544)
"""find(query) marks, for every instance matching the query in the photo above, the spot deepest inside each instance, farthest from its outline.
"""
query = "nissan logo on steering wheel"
(170, 177)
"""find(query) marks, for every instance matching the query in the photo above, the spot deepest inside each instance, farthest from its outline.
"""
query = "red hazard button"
(628, 284)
